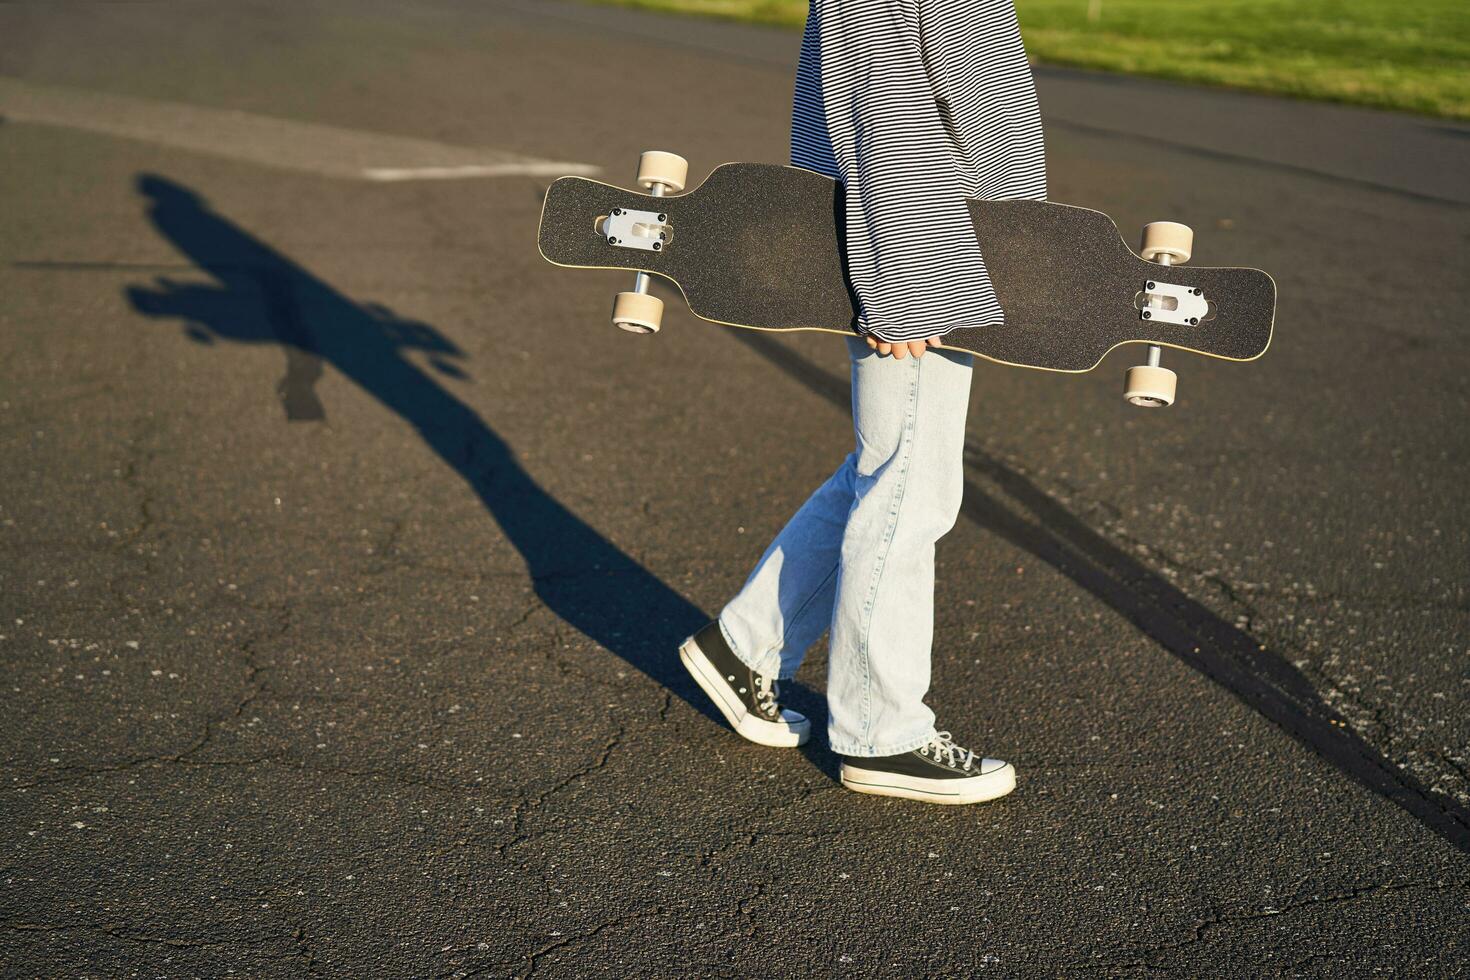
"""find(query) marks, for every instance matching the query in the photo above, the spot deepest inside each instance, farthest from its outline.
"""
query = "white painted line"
(331, 151)
(548, 169)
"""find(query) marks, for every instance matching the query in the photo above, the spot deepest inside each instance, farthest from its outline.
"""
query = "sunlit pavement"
(345, 548)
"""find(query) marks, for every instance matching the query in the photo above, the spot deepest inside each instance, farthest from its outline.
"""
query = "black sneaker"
(745, 698)
(940, 772)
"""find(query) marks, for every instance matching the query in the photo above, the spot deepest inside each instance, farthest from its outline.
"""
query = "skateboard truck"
(646, 230)
(660, 173)
(1165, 302)
(1168, 243)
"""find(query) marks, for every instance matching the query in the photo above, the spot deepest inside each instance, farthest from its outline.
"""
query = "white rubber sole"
(971, 789)
(783, 735)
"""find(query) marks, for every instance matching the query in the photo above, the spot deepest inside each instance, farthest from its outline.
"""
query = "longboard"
(759, 246)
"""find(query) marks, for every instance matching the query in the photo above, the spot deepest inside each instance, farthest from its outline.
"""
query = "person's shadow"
(262, 297)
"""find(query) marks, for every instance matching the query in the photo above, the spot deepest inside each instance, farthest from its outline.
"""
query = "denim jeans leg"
(786, 602)
(909, 416)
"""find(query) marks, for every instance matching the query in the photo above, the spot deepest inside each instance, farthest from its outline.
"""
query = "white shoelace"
(945, 750)
(766, 693)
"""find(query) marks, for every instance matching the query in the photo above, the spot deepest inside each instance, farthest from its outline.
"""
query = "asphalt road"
(344, 547)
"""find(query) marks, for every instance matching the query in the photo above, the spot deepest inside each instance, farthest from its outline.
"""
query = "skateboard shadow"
(262, 297)
(1229, 656)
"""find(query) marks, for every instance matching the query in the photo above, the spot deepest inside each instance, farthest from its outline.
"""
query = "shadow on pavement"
(1229, 656)
(262, 297)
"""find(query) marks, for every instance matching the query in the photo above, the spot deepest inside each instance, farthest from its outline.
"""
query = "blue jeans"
(858, 557)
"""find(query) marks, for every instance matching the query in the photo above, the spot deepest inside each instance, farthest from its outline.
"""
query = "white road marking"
(532, 169)
(265, 140)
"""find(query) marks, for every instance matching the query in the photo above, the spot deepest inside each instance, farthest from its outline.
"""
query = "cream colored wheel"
(1149, 387)
(638, 313)
(1167, 238)
(658, 167)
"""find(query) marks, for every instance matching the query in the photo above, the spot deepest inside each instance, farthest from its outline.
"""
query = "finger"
(900, 351)
(917, 348)
(935, 341)
(871, 342)
(884, 349)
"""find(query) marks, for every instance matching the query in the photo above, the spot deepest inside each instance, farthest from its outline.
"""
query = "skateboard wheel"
(658, 167)
(1149, 387)
(638, 313)
(1167, 238)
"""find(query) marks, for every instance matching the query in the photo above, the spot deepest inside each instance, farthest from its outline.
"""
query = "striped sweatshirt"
(914, 106)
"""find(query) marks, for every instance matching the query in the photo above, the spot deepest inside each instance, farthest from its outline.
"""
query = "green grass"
(1412, 55)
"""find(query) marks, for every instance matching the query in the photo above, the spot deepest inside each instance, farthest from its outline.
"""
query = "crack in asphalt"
(137, 460)
(524, 806)
(762, 890)
(125, 933)
(254, 688)
(78, 773)
(1214, 921)
(385, 550)
(533, 959)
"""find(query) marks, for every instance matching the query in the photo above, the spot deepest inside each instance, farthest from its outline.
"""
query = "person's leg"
(786, 603)
(764, 632)
(908, 483)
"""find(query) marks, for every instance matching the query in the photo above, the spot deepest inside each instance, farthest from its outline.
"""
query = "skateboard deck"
(759, 246)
